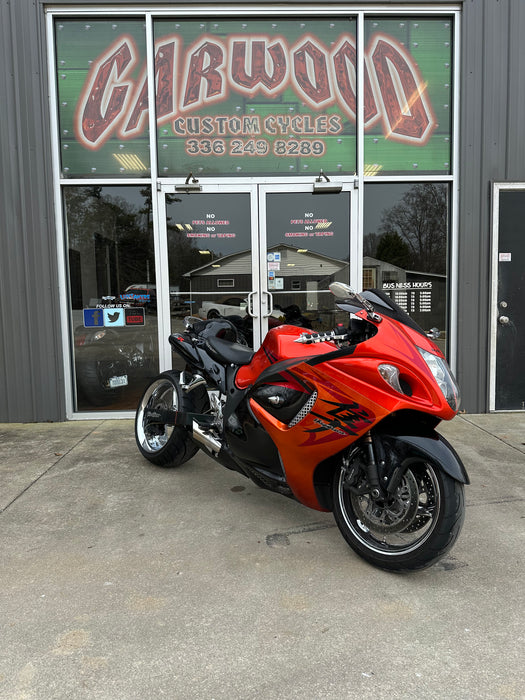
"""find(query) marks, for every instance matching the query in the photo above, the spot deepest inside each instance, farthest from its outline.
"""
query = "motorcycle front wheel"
(408, 531)
(163, 444)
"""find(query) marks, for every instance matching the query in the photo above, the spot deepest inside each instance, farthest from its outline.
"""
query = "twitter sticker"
(114, 317)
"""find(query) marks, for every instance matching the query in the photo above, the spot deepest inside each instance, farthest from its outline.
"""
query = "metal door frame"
(163, 301)
(497, 187)
(355, 239)
(257, 191)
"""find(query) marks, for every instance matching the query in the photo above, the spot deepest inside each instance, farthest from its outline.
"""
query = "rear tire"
(162, 444)
(409, 531)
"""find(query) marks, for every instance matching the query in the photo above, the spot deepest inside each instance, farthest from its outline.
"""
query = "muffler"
(211, 443)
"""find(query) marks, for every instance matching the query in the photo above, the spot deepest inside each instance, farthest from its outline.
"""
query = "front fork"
(377, 482)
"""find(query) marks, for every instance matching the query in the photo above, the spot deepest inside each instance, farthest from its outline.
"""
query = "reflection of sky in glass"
(378, 199)
(329, 213)
(216, 222)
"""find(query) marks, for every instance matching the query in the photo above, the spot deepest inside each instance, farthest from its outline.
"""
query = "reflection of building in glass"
(420, 294)
(300, 277)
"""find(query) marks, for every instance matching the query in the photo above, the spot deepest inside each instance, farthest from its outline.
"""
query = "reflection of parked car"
(226, 307)
(144, 295)
(177, 303)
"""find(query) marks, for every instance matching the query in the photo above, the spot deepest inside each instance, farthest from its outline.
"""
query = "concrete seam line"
(487, 432)
(46, 471)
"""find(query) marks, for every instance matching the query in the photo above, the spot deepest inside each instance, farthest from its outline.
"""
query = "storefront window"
(252, 97)
(113, 296)
(408, 95)
(261, 101)
(255, 97)
(405, 248)
(102, 98)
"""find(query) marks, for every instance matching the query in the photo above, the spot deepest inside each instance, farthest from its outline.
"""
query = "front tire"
(409, 531)
(162, 444)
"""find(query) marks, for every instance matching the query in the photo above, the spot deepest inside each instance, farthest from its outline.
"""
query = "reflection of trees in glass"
(98, 219)
(393, 249)
(183, 252)
(413, 233)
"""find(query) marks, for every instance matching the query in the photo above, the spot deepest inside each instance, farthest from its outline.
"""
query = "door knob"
(504, 320)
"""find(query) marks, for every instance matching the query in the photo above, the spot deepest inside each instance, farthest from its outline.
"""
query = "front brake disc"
(391, 514)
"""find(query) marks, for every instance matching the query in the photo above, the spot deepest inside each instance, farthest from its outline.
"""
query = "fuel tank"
(279, 345)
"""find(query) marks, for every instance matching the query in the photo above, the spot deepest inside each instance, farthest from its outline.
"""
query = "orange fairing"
(278, 345)
(335, 420)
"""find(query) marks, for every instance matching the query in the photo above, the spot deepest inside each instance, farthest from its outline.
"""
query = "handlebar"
(309, 338)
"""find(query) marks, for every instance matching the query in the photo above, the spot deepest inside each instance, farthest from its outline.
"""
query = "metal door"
(507, 381)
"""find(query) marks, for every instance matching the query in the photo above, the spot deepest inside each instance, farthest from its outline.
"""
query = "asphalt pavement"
(120, 580)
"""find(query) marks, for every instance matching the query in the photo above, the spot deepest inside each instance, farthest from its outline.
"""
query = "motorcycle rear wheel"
(410, 531)
(162, 444)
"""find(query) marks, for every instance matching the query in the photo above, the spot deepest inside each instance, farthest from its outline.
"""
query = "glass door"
(307, 244)
(211, 267)
(260, 255)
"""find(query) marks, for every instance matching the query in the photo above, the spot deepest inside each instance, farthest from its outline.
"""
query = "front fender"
(432, 447)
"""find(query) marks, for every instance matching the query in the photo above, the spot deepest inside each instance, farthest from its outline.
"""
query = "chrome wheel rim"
(161, 394)
(400, 524)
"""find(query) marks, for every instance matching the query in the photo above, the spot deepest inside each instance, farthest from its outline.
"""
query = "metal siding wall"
(516, 94)
(30, 387)
(492, 148)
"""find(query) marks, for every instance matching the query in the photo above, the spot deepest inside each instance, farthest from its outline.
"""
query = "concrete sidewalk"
(120, 580)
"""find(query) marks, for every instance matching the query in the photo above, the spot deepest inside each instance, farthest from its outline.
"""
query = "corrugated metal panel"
(492, 148)
(29, 344)
(516, 93)
(472, 309)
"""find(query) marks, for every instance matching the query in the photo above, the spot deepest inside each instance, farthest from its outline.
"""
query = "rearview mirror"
(342, 291)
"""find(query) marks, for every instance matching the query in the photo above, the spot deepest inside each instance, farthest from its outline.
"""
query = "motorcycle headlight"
(444, 378)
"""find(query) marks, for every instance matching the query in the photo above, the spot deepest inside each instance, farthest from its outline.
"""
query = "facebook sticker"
(93, 318)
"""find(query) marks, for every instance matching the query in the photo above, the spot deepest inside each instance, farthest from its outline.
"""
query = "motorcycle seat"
(225, 351)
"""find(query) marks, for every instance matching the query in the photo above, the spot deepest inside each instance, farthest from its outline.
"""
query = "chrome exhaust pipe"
(192, 383)
(211, 443)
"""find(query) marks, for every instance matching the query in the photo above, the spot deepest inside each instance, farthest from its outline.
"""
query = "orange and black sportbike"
(342, 421)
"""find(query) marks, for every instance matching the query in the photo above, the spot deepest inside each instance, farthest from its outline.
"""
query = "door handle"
(249, 307)
(504, 320)
(270, 304)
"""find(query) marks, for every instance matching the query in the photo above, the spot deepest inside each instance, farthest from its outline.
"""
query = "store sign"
(212, 70)
(253, 102)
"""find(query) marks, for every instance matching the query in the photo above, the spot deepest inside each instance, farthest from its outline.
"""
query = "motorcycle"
(342, 421)
(109, 360)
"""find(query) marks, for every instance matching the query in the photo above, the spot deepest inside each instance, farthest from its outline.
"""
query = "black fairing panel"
(282, 402)
(250, 443)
